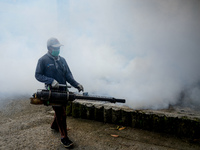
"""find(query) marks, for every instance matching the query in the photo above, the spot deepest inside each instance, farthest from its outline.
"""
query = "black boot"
(66, 142)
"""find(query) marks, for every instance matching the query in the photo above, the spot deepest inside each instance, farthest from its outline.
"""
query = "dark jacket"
(48, 69)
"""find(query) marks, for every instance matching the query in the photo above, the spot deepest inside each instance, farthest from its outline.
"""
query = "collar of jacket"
(54, 58)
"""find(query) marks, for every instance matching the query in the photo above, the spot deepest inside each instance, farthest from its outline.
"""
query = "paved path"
(25, 126)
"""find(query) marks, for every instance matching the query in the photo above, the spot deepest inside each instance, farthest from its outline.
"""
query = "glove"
(80, 88)
(55, 84)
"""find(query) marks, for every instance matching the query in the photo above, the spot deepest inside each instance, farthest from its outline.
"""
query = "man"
(53, 70)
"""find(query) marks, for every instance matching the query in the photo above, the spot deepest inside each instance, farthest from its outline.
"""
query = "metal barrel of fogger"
(100, 98)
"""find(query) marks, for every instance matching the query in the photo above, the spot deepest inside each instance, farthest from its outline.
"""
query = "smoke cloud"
(144, 51)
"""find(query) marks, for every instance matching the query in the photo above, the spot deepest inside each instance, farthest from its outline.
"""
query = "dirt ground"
(27, 127)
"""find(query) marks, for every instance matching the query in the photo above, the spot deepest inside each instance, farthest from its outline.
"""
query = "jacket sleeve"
(69, 77)
(39, 73)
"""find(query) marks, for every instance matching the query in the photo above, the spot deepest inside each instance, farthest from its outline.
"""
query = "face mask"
(55, 53)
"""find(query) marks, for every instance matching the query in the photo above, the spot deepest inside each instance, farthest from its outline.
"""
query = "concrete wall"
(159, 121)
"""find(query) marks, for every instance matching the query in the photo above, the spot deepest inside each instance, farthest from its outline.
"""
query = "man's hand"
(80, 88)
(55, 84)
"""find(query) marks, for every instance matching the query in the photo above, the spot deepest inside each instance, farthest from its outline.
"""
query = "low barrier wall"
(159, 121)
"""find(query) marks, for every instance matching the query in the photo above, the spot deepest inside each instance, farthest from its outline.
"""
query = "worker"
(52, 69)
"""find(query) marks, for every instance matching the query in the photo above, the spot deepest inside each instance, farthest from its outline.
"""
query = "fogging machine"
(56, 97)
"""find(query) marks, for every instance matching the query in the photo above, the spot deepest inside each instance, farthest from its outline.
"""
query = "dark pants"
(59, 121)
